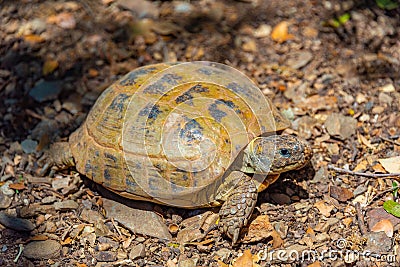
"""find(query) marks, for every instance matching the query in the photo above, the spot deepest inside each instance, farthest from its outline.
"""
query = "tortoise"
(194, 134)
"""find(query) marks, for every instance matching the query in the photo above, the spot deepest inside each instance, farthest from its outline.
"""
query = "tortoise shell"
(169, 132)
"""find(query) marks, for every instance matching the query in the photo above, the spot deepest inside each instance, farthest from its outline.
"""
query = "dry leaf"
(246, 260)
(10, 170)
(310, 231)
(67, 241)
(49, 66)
(188, 235)
(276, 239)
(364, 141)
(378, 214)
(384, 225)
(250, 46)
(323, 208)
(80, 264)
(340, 193)
(314, 264)
(361, 166)
(388, 88)
(65, 20)
(221, 264)
(39, 238)
(166, 28)
(317, 102)
(93, 72)
(280, 32)
(33, 38)
(378, 168)
(17, 186)
(391, 165)
(347, 221)
(17, 159)
(259, 229)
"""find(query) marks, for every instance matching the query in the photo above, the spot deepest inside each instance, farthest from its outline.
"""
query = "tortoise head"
(275, 154)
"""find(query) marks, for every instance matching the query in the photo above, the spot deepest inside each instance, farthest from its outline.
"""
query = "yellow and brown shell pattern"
(168, 132)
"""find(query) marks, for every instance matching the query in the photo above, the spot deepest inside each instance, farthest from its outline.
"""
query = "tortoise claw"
(225, 228)
(236, 210)
(235, 236)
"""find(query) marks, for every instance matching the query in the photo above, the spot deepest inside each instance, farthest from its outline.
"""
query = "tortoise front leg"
(237, 209)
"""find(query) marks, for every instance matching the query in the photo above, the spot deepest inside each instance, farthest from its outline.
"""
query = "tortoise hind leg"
(237, 209)
(58, 157)
(61, 155)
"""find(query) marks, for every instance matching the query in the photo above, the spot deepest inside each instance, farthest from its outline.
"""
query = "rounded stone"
(47, 249)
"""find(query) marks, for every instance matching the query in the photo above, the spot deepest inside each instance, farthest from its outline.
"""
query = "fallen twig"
(382, 193)
(360, 219)
(116, 228)
(390, 140)
(21, 248)
(373, 175)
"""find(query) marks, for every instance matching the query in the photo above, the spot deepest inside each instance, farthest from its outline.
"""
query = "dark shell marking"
(191, 132)
(151, 111)
(131, 77)
(216, 113)
(189, 94)
(208, 71)
(162, 84)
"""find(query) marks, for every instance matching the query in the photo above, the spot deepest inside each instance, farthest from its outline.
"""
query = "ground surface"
(339, 83)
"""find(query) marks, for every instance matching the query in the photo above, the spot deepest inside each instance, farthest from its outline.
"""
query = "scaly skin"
(236, 210)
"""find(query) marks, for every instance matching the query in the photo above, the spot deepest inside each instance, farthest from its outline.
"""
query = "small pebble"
(183, 7)
(263, 31)
(5, 201)
(369, 105)
(91, 216)
(66, 205)
(15, 223)
(107, 256)
(297, 60)
(138, 221)
(378, 242)
(47, 249)
(45, 90)
(38, 25)
(223, 253)
(187, 263)
(29, 146)
(280, 198)
(138, 251)
(5, 189)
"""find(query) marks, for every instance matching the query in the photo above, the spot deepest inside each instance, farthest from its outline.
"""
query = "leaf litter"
(346, 104)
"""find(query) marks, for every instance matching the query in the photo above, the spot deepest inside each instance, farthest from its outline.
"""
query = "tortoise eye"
(284, 152)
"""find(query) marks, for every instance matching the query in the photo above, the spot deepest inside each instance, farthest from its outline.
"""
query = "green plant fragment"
(387, 4)
(392, 207)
